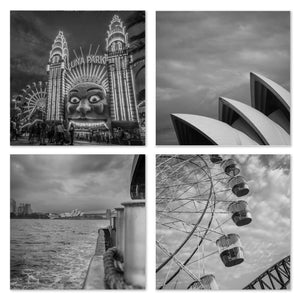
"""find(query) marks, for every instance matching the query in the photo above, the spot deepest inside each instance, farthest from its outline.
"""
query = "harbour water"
(51, 254)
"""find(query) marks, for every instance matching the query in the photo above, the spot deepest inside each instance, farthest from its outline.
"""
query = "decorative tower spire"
(117, 38)
(60, 48)
(56, 68)
(120, 76)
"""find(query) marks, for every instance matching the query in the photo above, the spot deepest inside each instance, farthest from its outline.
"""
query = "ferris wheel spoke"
(185, 230)
(32, 111)
(28, 110)
(29, 99)
(183, 204)
(185, 191)
(36, 97)
(176, 171)
(194, 212)
(30, 105)
(184, 241)
(168, 204)
(179, 184)
(181, 165)
(219, 225)
(167, 275)
(175, 285)
(32, 97)
(186, 270)
(210, 230)
(175, 274)
(170, 157)
(172, 222)
(203, 257)
(162, 200)
(223, 191)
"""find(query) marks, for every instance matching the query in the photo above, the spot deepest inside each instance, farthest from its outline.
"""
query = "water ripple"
(51, 254)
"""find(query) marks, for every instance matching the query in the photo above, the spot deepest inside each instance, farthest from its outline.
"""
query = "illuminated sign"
(89, 59)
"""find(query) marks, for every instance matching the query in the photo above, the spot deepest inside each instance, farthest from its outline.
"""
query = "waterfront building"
(21, 209)
(74, 213)
(265, 122)
(53, 216)
(28, 209)
(24, 209)
(13, 206)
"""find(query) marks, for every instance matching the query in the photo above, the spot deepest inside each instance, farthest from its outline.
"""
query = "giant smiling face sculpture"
(87, 102)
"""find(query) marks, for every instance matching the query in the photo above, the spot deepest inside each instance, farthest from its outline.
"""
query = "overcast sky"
(266, 240)
(33, 33)
(59, 183)
(203, 55)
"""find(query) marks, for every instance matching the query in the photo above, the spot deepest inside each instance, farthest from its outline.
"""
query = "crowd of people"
(58, 133)
(43, 133)
(52, 133)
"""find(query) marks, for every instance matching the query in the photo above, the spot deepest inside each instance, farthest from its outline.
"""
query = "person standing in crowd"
(51, 133)
(98, 136)
(59, 134)
(43, 133)
(30, 136)
(120, 136)
(127, 137)
(72, 132)
(13, 131)
(38, 132)
(110, 137)
(91, 136)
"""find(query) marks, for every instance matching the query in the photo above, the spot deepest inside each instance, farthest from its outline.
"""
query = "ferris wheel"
(34, 101)
(197, 197)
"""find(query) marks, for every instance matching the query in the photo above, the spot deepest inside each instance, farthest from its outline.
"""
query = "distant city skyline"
(14, 207)
(62, 183)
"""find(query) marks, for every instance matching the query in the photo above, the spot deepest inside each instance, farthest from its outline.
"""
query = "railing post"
(113, 229)
(135, 243)
(120, 229)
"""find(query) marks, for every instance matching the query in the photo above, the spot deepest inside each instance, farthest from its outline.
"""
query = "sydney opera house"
(265, 122)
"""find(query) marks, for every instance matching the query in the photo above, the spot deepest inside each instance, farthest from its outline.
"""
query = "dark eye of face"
(74, 100)
(94, 99)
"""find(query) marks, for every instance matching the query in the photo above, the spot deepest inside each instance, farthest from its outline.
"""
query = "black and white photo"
(223, 78)
(223, 222)
(77, 78)
(77, 222)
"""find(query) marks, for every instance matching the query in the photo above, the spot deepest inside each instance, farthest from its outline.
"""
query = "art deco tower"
(120, 75)
(56, 68)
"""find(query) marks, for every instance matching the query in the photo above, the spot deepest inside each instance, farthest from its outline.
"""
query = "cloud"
(204, 55)
(64, 182)
(29, 49)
